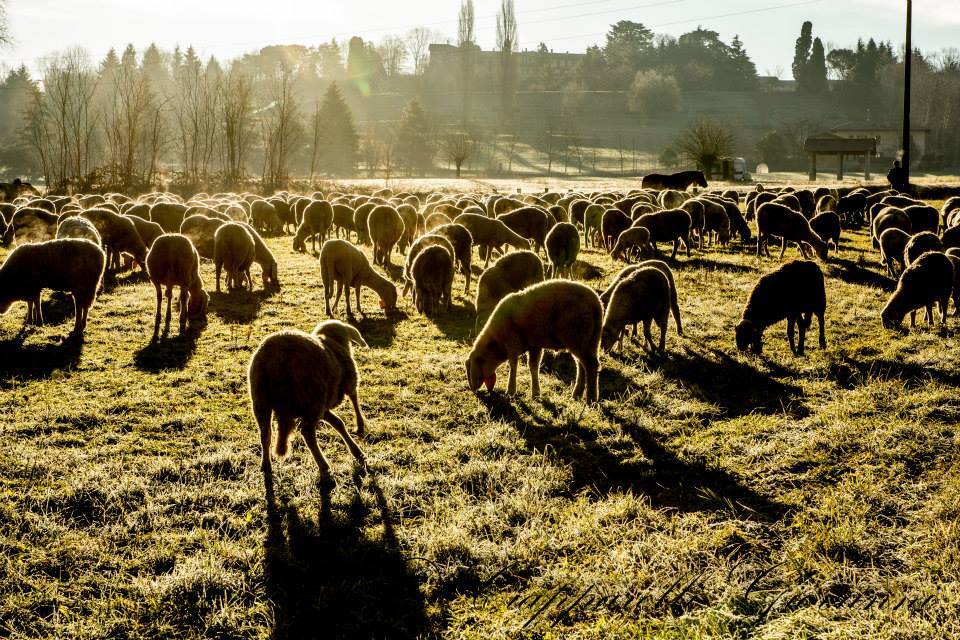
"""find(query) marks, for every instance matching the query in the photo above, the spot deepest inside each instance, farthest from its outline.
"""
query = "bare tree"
(418, 46)
(280, 127)
(704, 143)
(393, 53)
(466, 36)
(194, 99)
(458, 146)
(236, 122)
(507, 46)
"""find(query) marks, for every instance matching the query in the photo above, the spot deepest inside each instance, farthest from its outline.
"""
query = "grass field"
(709, 494)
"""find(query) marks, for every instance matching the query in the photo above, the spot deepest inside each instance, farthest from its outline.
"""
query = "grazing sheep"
(421, 243)
(384, 228)
(754, 203)
(919, 244)
(264, 257)
(234, 250)
(284, 213)
(31, 225)
(642, 296)
(949, 208)
(893, 242)
(343, 219)
(577, 210)
(634, 242)
(148, 231)
(807, 201)
(889, 218)
(656, 264)
(169, 215)
(119, 235)
(696, 210)
(345, 265)
(951, 237)
(462, 242)
(532, 223)
(826, 203)
(74, 265)
(796, 292)
(671, 199)
(851, 207)
(173, 261)
(827, 226)
(263, 217)
(295, 375)
(558, 213)
(777, 220)
(716, 221)
(435, 220)
(592, 224)
(360, 216)
(666, 226)
(925, 283)
(77, 227)
(489, 234)
(557, 315)
(411, 224)
(511, 273)
(613, 224)
(923, 218)
(316, 221)
(954, 258)
(563, 246)
(680, 181)
(432, 273)
(201, 230)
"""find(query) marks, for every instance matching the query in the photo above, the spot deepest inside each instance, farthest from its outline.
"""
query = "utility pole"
(907, 59)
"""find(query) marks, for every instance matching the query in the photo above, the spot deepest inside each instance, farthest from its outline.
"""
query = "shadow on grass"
(34, 362)
(711, 265)
(168, 352)
(457, 323)
(379, 330)
(853, 273)
(239, 306)
(57, 309)
(850, 373)
(330, 579)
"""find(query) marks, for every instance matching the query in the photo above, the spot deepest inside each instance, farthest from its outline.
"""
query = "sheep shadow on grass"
(710, 265)
(33, 362)
(379, 330)
(330, 579)
(168, 353)
(854, 273)
(849, 373)
(457, 323)
(667, 480)
(239, 306)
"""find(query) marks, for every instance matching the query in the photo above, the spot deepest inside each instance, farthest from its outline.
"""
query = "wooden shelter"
(830, 144)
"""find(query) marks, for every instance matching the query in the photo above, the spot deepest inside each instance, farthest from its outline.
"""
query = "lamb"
(633, 241)
(776, 220)
(563, 246)
(263, 217)
(532, 223)
(384, 228)
(148, 231)
(234, 250)
(432, 274)
(345, 265)
(295, 375)
(795, 291)
(665, 226)
(169, 215)
(173, 261)
(489, 234)
(893, 242)
(77, 227)
(264, 257)
(925, 283)
(511, 273)
(201, 230)
(316, 221)
(827, 226)
(421, 243)
(642, 296)
(613, 224)
(74, 265)
(119, 236)
(919, 244)
(462, 242)
(556, 315)
(31, 225)
(656, 264)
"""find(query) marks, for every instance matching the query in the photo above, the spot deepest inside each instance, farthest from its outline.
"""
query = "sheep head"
(480, 370)
(748, 336)
(891, 317)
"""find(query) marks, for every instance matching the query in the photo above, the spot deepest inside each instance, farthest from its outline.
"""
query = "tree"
(418, 44)
(414, 148)
(393, 54)
(507, 46)
(654, 94)
(773, 149)
(280, 127)
(458, 146)
(815, 78)
(704, 144)
(335, 139)
(4, 29)
(801, 53)
(466, 28)
(236, 120)
(629, 47)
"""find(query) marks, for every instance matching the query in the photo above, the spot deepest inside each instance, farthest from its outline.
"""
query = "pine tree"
(335, 136)
(816, 73)
(801, 54)
(414, 148)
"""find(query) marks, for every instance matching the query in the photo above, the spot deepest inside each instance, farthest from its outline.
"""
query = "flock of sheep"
(524, 304)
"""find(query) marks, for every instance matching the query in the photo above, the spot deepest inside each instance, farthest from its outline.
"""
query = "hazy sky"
(226, 28)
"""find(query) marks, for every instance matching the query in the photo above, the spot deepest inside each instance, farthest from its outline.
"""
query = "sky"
(227, 28)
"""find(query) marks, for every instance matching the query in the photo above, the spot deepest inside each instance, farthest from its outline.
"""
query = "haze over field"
(226, 28)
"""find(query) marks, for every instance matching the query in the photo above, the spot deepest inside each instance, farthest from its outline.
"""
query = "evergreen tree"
(414, 148)
(816, 73)
(336, 138)
(801, 54)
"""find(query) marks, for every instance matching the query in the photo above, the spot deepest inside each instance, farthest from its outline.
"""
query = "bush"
(704, 144)
(654, 94)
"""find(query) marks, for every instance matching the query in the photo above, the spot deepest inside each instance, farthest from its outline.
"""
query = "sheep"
(777, 220)
(827, 226)
(826, 203)
(754, 204)
(954, 256)
(489, 234)
(148, 231)
(890, 217)
(169, 215)
(633, 241)
(656, 264)
(263, 217)
(462, 243)
(432, 273)
(556, 315)
(410, 225)
(563, 246)
(951, 237)
(807, 201)
(316, 221)
(680, 181)
(174, 261)
(592, 223)
(31, 225)
(384, 228)
(923, 218)
(234, 249)
(264, 257)
(558, 213)
(360, 215)
(74, 265)
(893, 242)
(577, 209)
(77, 227)
(696, 210)
(343, 219)
(795, 291)
(919, 244)
(345, 265)
(665, 226)
(284, 213)
(119, 235)
(738, 224)
(201, 230)
(851, 207)
(532, 223)
(419, 245)
(613, 224)
(716, 221)
(435, 220)
(511, 273)
(642, 296)
(925, 283)
(294, 375)
(950, 206)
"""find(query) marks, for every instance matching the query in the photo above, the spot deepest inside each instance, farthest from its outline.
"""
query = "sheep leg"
(662, 323)
(913, 318)
(352, 445)
(169, 292)
(791, 322)
(647, 335)
(359, 308)
(308, 431)
(534, 360)
(581, 381)
(591, 371)
(262, 415)
(676, 247)
(512, 383)
(156, 321)
(804, 322)
(823, 333)
(249, 280)
(183, 308)
(783, 247)
(930, 315)
(361, 423)
(219, 267)
(77, 316)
